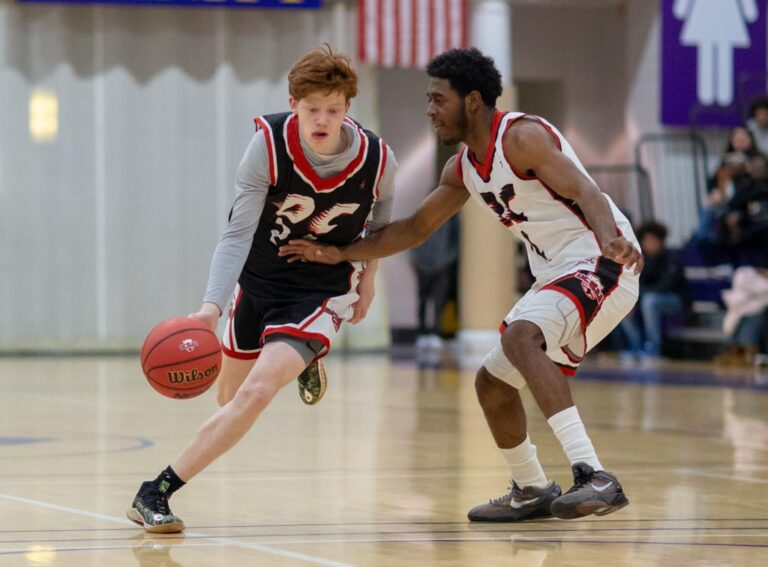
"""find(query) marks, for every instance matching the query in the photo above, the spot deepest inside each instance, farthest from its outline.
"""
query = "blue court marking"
(25, 440)
(670, 377)
(138, 444)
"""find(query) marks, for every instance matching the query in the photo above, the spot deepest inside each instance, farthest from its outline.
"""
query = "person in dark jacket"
(662, 289)
(434, 263)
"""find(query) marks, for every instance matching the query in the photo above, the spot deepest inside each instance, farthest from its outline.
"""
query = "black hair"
(653, 228)
(751, 151)
(759, 102)
(468, 70)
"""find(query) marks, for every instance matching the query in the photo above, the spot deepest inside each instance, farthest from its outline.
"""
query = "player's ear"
(294, 103)
(474, 101)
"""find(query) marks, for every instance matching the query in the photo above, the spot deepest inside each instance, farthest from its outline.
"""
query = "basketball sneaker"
(312, 383)
(528, 503)
(593, 492)
(150, 510)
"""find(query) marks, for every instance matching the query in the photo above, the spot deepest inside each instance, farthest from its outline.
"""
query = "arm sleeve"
(382, 209)
(251, 188)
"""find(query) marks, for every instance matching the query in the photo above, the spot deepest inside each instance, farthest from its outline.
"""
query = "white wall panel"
(110, 228)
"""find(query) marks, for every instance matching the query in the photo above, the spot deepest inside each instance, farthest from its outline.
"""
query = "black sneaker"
(519, 504)
(593, 492)
(312, 383)
(150, 510)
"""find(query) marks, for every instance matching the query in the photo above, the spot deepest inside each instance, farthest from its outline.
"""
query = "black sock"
(168, 481)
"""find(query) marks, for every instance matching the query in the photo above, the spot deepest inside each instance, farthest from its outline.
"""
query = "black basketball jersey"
(300, 204)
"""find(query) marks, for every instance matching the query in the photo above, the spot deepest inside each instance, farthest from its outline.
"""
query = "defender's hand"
(622, 251)
(308, 251)
(366, 291)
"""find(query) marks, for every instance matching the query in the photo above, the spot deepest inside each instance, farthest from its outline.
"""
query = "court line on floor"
(486, 539)
(590, 521)
(222, 540)
(692, 472)
(655, 532)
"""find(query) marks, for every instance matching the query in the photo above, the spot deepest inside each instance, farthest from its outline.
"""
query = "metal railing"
(629, 186)
(677, 169)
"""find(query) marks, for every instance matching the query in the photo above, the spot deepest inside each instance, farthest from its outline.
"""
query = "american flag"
(408, 33)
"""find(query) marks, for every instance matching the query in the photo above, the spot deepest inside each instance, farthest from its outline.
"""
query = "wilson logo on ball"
(188, 345)
(181, 377)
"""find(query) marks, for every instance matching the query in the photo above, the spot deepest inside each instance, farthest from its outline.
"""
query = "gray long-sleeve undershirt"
(251, 187)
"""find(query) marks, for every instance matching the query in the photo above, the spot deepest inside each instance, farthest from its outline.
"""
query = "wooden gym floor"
(380, 473)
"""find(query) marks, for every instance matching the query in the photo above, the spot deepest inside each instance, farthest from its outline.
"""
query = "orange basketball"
(181, 357)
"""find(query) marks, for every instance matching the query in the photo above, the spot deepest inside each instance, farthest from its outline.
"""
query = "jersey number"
(297, 208)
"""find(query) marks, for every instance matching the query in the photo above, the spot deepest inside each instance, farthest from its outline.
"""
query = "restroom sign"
(713, 57)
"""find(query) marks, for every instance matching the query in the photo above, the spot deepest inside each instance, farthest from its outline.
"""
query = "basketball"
(181, 357)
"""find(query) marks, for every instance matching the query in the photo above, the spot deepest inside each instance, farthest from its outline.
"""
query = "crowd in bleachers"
(732, 232)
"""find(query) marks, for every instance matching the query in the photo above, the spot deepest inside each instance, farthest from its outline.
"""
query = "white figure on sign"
(715, 27)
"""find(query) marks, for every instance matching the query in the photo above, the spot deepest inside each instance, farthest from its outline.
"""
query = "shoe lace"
(581, 478)
(158, 502)
(505, 499)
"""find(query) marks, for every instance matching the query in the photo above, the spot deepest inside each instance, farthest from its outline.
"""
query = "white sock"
(570, 431)
(524, 466)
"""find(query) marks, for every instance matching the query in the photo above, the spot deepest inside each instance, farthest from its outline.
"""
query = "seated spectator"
(744, 224)
(758, 123)
(662, 290)
(746, 304)
(741, 147)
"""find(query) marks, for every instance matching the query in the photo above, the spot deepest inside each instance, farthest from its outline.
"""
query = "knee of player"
(520, 339)
(483, 384)
(490, 390)
(253, 397)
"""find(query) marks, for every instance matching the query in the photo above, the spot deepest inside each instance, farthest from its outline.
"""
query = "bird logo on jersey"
(592, 286)
(506, 215)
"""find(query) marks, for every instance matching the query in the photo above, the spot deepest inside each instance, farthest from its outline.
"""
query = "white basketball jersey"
(556, 235)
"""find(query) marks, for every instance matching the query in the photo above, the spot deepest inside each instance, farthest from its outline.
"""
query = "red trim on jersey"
(293, 141)
(565, 369)
(574, 208)
(231, 322)
(521, 174)
(503, 326)
(382, 165)
(570, 205)
(240, 355)
(570, 355)
(320, 311)
(270, 148)
(459, 168)
(484, 169)
(574, 299)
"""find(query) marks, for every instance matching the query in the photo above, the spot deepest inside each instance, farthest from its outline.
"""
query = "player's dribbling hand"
(209, 314)
(624, 252)
(308, 251)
